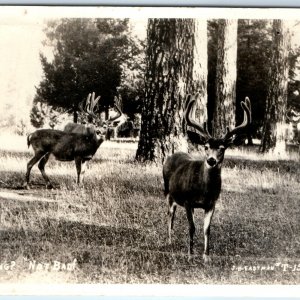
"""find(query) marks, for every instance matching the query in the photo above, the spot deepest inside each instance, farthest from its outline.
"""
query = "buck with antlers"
(77, 142)
(195, 183)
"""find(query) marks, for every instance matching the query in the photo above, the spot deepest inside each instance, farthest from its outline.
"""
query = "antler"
(246, 106)
(118, 109)
(90, 104)
(203, 132)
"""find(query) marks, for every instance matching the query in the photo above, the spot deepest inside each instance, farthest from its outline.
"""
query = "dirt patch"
(25, 195)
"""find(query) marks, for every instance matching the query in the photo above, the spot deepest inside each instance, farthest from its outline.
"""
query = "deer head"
(215, 147)
(88, 108)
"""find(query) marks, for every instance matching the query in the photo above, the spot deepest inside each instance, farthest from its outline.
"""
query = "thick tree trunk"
(224, 109)
(274, 128)
(198, 84)
(169, 76)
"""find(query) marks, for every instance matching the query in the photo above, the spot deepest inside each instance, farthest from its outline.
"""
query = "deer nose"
(211, 161)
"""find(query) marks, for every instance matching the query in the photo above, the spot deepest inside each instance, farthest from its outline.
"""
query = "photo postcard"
(151, 151)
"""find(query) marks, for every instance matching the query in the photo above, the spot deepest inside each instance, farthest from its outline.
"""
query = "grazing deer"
(78, 142)
(195, 183)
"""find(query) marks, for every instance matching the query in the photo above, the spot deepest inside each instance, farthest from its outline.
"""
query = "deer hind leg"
(78, 163)
(171, 216)
(190, 217)
(30, 164)
(207, 220)
(41, 166)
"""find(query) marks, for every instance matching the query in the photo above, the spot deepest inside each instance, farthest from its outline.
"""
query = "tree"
(132, 86)
(253, 60)
(224, 109)
(274, 128)
(88, 56)
(172, 71)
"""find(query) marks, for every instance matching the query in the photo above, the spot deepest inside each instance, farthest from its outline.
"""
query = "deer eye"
(205, 147)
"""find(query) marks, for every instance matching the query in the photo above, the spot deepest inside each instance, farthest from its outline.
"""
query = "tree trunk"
(274, 128)
(198, 84)
(224, 108)
(75, 115)
(169, 76)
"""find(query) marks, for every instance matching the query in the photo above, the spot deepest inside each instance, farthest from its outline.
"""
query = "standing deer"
(78, 142)
(195, 183)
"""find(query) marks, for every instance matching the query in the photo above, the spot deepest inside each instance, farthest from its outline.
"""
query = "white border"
(152, 290)
(17, 14)
(38, 12)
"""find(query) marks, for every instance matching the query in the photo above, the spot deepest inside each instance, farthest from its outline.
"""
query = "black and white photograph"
(149, 145)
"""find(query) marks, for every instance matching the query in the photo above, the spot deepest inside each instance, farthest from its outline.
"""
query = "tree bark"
(170, 75)
(274, 128)
(224, 108)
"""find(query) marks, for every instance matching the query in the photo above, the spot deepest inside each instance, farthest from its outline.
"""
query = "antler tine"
(94, 102)
(203, 132)
(119, 113)
(248, 103)
(246, 106)
(89, 107)
(87, 103)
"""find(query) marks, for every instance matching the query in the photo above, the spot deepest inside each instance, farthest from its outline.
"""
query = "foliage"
(38, 114)
(132, 86)
(88, 56)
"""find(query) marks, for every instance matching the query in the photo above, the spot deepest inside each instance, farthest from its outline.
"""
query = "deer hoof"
(49, 186)
(206, 258)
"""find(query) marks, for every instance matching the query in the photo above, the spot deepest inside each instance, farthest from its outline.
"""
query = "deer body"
(194, 183)
(64, 146)
(77, 142)
(190, 180)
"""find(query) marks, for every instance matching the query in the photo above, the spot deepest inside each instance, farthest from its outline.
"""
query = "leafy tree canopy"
(89, 55)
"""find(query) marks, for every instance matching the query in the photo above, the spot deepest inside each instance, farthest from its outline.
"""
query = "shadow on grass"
(61, 234)
(289, 166)
(15, 180)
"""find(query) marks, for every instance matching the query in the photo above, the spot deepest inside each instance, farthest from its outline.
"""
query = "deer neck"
(211, 175)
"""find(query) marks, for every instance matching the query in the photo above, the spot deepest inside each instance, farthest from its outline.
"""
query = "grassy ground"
(114, 225)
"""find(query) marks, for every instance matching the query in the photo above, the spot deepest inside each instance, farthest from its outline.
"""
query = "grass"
(114, 224)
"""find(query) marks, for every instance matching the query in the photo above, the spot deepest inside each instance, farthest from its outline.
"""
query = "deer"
(77, 142)
(192, 183)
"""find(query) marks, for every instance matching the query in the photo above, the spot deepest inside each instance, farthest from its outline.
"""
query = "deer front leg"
(78, 162)
(41, 166)
(171, 215)
(30, 164)
(190, 217)
(207, 220)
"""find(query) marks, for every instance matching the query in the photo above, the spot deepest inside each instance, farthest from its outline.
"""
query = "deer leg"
(171, 215)
(190, 217)
(78, 162)
(41, 166)
(30, 164)
(207, 220)
(83, 168)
